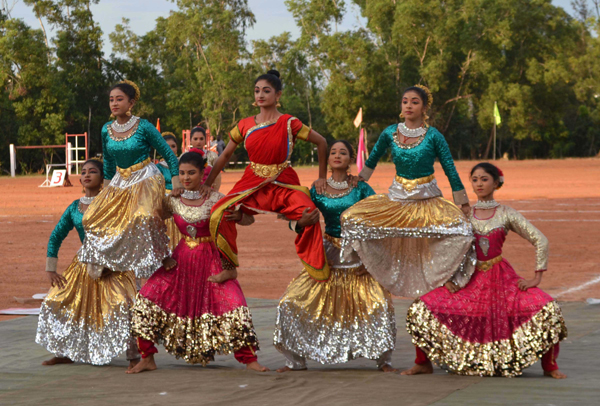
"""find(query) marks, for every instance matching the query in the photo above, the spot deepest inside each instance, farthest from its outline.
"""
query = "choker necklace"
(486, 205)
(411, 132)
(337, 185)
(191, 194)
(87, 199)
(122, 128)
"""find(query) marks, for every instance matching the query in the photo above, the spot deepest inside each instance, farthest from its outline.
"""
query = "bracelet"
(541, 270)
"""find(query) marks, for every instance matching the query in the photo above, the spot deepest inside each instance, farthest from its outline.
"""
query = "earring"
(254, 104)
(278, 104)
(112, 116)
(83, 190)
(128, 113)
(401, 115)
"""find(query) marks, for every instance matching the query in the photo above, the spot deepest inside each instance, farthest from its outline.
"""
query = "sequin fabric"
(88, 320)
(124, 224)
(411, 245)
(70, 219)
(193, 318)
(126, 152)
(346, 317)
(490, 327)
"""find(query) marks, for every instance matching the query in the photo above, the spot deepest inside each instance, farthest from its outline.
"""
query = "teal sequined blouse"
(333, 207)
(416, 160)
(71, 218)
(135, 149)
(166, 174)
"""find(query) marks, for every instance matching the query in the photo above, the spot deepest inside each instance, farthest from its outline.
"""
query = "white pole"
(69, 158)
(13, 160)
(494, 157)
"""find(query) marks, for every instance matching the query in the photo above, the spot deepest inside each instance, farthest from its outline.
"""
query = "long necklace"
(486, 204)
(122, 128)
(411, 132)
(337, 185)
(191, 194)
(87, 200)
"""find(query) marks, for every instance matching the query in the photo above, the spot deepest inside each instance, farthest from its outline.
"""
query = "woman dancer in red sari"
(269, 184)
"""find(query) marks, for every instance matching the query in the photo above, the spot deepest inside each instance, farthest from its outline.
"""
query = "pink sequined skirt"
(192, 317)
(490, 327)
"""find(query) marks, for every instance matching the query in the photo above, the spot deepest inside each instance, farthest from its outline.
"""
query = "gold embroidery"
(337, 242)
(126, 172)
(411, 184)
(485, 266)
(195, 242)
(194, 214)
(267, 171)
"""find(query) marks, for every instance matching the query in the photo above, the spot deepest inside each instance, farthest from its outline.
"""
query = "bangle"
(541, 270)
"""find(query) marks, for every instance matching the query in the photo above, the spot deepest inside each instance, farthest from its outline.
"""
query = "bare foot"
(556, 374)
(419, 369)
(57, 360)
(389, 368)
(146, 364)
(223, 276)
(255, 366)
(133, 363)
(288, 369)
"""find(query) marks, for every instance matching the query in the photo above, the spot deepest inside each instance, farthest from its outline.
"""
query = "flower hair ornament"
(137, 89)
(201, 152)
(500, 178)
(429, 96)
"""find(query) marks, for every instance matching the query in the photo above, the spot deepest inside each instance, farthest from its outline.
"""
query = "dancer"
(163, 166)
(84, 319)
(124, 227)
(500, 323)
(198, 140)
(348, 316)
(197, 309)
(269, 184)
(412, 240)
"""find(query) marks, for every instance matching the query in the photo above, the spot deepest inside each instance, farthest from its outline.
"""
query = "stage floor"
(24, 381)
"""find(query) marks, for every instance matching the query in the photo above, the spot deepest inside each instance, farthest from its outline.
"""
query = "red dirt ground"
(561, 197)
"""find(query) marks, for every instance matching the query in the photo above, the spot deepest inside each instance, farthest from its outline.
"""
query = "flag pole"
(494, 156)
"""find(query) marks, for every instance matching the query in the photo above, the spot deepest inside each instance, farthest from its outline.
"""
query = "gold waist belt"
(194, 242)
(337, 242)
(126, 172)
(487, 265)
(267, 171)
(410, 184)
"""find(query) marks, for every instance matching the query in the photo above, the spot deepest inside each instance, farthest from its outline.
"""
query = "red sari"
(269, 185)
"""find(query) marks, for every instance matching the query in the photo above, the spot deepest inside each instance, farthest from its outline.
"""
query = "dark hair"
(273, 78)
(193, 158)
(491, 170)
(422, 94)
(170, 137)
(97, 163)
(198, 129)
(125, 88)
(346, 144)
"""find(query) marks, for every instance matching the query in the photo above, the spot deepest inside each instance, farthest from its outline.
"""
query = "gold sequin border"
(506, 358)
(196, 340)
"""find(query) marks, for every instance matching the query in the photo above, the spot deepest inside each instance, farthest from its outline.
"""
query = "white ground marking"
(580, 287)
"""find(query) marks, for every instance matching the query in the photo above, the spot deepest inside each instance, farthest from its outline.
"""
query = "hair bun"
(274, 73)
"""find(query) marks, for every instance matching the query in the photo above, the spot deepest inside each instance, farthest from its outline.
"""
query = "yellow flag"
(497, 114)
(358, 118)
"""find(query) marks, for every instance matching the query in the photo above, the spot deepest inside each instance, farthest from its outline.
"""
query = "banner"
(497, 114)
(358, 118)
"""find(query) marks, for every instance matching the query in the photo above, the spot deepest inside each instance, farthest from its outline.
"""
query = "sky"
(272, 16)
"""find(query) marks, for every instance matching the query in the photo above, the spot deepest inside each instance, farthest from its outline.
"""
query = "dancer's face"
(198, 140)
(412, 106)
(120, 103)
(265, 95)
(339, 157)
(190, 176)
(91, 179)
(483, 184)
(173, 145)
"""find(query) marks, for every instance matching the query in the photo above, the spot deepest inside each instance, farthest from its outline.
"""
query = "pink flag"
(360, 156)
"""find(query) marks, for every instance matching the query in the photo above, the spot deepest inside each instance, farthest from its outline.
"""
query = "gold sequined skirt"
(346, 317)
(124, 225)
(88, 320)
(410, 246)
(508, 357)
